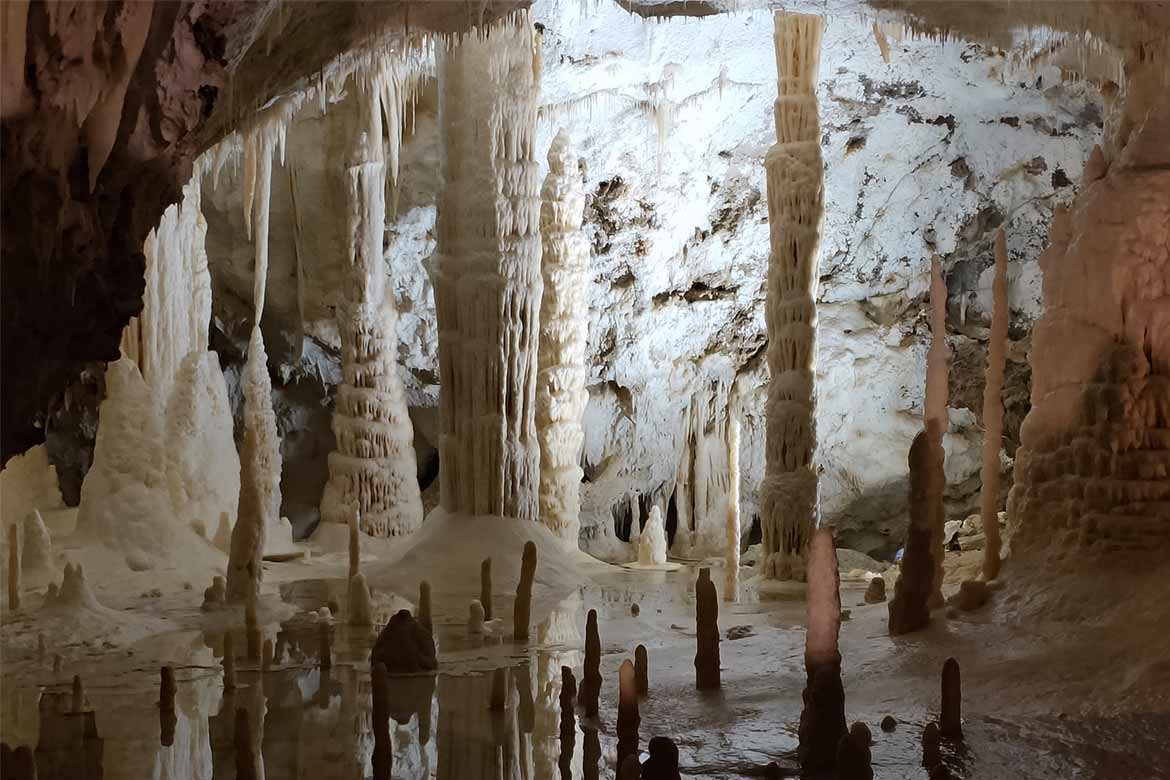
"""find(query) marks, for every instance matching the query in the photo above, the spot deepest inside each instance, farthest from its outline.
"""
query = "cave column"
(795, 176)
(487, 274)
(373, 472)
(564, 330)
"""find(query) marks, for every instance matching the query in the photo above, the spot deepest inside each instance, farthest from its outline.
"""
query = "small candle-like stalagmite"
(229, 663)
(475, 617)
(166, 706)
(591, 682)
(910, 607)
(822, 720)
(78, 694)
(707, 631)
(380, 715)
(853, 754)
(252, 633)
(245, 755)
(13, 568)
(522, 607)
(663, 761)
(628, 716)
(424, 607)
(951, 719)
(931, 746)
(485, 587)
(568, 700)
(641, 670)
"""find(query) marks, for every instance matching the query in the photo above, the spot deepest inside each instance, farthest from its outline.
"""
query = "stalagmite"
(486, 273)
(591, 681)
(652, 543)
(564, 329)
(629, 768)
(936, 421)
(229, 662)
(373, 471)
(404, 646)
(909, 609)
(485, 587)
(355, 547)
(166, 706)
(731, 586)
(253, 637)
(795, 175)
(993, 411)
(424, 606)
(628, 717)
(245, 753)
(931, 746)
(259, 477)
(78, 695)
(215, 595)
(875, 592)
(950, 719)
(822, 721)
(475, 617)
(642, 670)
(522, 606)
(663, 761)
(361, 610)
(853, 754)
(13, 567)
(707, 633)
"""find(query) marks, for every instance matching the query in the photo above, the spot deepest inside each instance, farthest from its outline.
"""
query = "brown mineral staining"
(951, 717)
(707, 632)
(485, 587)
(522, 607)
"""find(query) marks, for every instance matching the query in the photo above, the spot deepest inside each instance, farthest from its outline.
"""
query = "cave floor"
(1041, 700)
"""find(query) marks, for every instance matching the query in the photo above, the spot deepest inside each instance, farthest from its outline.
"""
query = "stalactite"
(564, 329)
(795, 174)
(259, 477)
(937, 420)
(373, 471)
(822, 720)
(487, 273)
(993, 411)
(731, 586)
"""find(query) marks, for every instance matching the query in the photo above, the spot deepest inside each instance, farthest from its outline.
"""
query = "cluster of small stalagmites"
(487, 281)
(259, 477)
(564, 330)
(910, 607)
(706, 632)
(74, 592)
(795, 180)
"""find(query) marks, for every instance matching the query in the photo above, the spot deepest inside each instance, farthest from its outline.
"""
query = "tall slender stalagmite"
(936, 420)
(731, 588)
(822, 721)
(789, 504)
(373, 471)
(993, 411)
(564, 331)
(486, 272)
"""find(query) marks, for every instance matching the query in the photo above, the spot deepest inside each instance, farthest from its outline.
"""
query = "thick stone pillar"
(487, 272)
(373, 472)
(796, 206)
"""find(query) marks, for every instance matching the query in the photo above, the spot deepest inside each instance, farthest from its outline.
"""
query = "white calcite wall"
(926, 153)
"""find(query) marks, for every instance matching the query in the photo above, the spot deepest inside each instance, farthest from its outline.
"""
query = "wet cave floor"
(1032, 693)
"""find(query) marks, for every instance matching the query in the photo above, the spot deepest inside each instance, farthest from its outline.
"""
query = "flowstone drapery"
(564, 331)
(487, 272)
(789, 503)
(373, 471)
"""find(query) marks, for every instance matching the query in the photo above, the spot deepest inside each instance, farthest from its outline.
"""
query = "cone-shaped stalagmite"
(628, 717)
(795, 176)
(950, 720)
(485, 587)
(707, 632)
(822, 721)
(909, 609)
(166, 707)
(78, 694)
(522, 607)
(564, 329)
(591, 681)
(993, 411)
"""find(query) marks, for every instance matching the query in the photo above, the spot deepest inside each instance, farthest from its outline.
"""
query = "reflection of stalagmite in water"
(628, 717)
(485, 587)
(18, 764)
(592, 754)
(822, 721)
(383, 751)
(479, 737)
(166, 707)
(68, 744)
(245, 755)
(950, 719)
(591, 682)
(568, 725)
(475, 618)
(522, 607)
(707, 632)
(252, 636)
